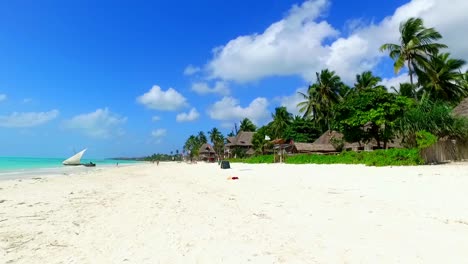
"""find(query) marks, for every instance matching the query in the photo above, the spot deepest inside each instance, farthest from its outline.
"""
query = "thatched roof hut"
(323, 144)
(327, 136)
(243, 139)
(462, 108)
(300, 147)
(206, 149)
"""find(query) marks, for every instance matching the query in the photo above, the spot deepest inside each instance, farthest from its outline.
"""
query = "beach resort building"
(241, 142)
(207, 153)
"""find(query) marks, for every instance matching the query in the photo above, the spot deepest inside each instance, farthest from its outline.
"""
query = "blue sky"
(131, 78)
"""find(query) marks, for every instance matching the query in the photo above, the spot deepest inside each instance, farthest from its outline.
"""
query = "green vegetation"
(390, 157)
(162, 157)
(370, 114)
(255, 159)
(418, 113)
(217, 140)
(194, 143)
(425, 139)
(247, 125)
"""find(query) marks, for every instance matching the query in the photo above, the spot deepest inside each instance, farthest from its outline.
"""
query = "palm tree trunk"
(410, 72)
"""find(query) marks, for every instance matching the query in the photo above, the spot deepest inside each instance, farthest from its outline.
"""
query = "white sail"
(75, 159)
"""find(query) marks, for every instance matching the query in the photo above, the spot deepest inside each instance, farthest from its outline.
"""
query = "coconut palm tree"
(217, 140)
(441, 77)
(192, 145)
(247, 125)
(202, 138)
(367, 81)
(281, 120)
(321, 96)
(416, 44)
(309, 106)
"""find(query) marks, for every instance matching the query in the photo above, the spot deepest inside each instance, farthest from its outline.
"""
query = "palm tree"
(441, 77)
(246, 125)
(321, 96)
(416, 44)
(345, 91)
(367, 81)
(202, 138)
(406, 90)
(192, 145)
(310, 104)
(217, 140)
(281, 120)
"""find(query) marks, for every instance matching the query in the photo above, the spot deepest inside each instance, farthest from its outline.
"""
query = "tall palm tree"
(345, 91)
(442, 79)
(309, 106)
(202, 138)
(367, 80)
(192, 145)
(321, 97)
(247, 125)
(416, 44)
(281, 120)
(217, 140)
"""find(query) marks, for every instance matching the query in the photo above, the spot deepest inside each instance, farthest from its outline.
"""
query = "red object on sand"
(235, 178)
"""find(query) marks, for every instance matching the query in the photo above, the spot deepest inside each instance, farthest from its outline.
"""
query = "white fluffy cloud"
(229, 108)
(3, 97)
(299, 44)
(159, 133)
(395, 81)
(290, 46)
(187, 117)
(158, 99)
(28, 119)
(98, 124)
(203, 88)
(191, 70)
(291, 101)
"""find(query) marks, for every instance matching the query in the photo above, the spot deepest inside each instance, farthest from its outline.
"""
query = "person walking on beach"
(157, 163)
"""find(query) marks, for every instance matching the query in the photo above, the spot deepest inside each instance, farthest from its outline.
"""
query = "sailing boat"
(75, 159)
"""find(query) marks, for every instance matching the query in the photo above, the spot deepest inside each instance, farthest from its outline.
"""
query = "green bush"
(255, 159)
(425, 139)
(390, 157)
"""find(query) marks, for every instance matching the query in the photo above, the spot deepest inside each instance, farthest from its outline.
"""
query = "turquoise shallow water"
(21, 163)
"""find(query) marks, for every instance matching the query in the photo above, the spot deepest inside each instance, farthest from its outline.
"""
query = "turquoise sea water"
(21, 163)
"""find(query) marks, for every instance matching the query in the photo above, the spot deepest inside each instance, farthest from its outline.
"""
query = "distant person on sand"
(117, 164)
(157, 162)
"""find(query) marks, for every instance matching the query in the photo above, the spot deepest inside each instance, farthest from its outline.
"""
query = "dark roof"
(242, 139)
(313, 147)
(206, 149)
(327, 136)
(462, 108)
(304, 147)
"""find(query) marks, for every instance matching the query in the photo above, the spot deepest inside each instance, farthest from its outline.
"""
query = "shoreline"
(273, 213)
(27, 173)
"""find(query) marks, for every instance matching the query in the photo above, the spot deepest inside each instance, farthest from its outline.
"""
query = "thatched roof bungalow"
(207, 152)
(243, 140)
(462, 108)
(323, 144)
(301, 147)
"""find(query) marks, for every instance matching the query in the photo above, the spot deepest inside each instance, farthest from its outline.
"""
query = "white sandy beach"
(181, 213)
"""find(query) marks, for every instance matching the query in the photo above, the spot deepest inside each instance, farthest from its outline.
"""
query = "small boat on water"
(75, 160)
(90, 164)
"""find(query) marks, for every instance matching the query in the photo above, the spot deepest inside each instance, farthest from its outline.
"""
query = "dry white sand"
(180, 213)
